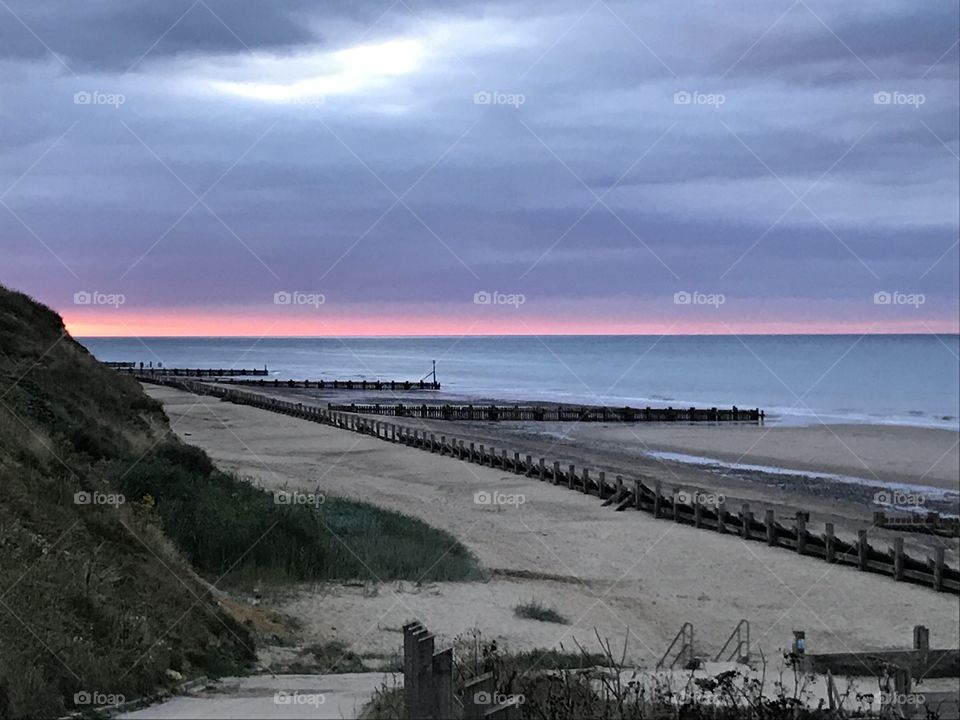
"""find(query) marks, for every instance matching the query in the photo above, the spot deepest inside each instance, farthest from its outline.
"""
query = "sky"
(409, 167)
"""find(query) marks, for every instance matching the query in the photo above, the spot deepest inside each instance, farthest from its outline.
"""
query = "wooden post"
(433, 443)
(676, 504)
(601, 485)
(697, 511)
(938, 563)
(442, 672)
(830, 542)
(541, 469)
(801, 527)
(472, 453)
(898, 560)
(862, 549)
(770, 521)
(411, 631)
(483, 455)
(571, 477)
(656, 499)
(586, 481)
(424, 671)
(556, 472)
(503, 459)
(636, 493)
(721, 516)
(477, 696)
(516, 463)
(528, 468)
(746, 520)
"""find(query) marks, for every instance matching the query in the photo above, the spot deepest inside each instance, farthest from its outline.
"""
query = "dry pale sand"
(613, 572)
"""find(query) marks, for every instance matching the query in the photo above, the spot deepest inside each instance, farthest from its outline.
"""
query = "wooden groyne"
(339, 384)
(686, 506)
(191, 372)
(929, 524)
(560, 413)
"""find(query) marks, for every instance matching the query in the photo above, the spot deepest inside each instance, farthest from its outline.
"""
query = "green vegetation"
(535, 610)
(106, 519)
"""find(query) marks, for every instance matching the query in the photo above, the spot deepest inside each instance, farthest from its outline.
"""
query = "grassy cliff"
(112, 532)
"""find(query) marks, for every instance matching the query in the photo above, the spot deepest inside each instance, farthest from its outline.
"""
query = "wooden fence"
(340, 384)
(930, 524)
(560, 413)
(190, 372)
(682, 505)
(428, 692)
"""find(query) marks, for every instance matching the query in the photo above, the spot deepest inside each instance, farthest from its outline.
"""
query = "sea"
(910, 380)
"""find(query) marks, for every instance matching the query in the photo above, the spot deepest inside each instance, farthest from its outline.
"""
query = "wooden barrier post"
(442, 672)
(898, 560)
(676, 504)
(433, 443)
(528, 468)
(938, 562)
(477, 696)
(862, 549)
(585, 488)
(746, 520)
(556, 472)
(637, 487)
(472, 453)
(801, 527)
(830, 542)
(656, 499)
(601, 485)
(721, 516)
(697, 511)
(424, 672)
(503, 459)
(411, 631)
(541, 469)
(770, 523)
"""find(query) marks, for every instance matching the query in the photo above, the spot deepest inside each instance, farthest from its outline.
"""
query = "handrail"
(742, 628)
(685, 634)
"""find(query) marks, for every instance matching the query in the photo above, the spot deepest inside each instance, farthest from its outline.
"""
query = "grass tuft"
(534, 610)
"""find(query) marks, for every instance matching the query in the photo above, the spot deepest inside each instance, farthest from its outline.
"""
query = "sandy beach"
(623, 575)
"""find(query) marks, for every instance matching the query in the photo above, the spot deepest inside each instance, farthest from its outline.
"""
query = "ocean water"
(796, 379)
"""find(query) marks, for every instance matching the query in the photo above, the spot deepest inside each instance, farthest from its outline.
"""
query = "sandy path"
(610, 571)
(327, 697)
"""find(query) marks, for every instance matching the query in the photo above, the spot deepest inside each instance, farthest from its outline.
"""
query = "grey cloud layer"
(509, 202)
